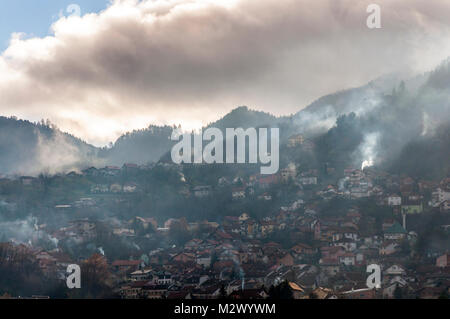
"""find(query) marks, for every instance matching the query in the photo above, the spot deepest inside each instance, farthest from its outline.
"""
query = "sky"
(125, 64)
(35, 17)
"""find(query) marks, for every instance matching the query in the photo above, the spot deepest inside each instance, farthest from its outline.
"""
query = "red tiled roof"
(126, 263)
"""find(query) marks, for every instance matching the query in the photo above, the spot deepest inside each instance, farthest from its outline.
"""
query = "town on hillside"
(166, 231)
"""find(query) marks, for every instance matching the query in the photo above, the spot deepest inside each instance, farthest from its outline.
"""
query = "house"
(150, 291)
(286, 260)
(265, 181)
(204, 260)
(312, 180)
(129, 188)
(223, 181)
(126, 265)
(27, 180)
(443, 261)
(115, 188)
(395, 232)
(110, 171)
(412, 207)
(394, 270)
(347, 244)
(238, 193)
(265, 196)
(388, 248)
(394, 200)
(295, 140)
(133, 290)
(348, 259)
(438, 196)
(140, 275)
(342, 233)
(99, 188)
(163, 278)
(202, 191)
(184, 258)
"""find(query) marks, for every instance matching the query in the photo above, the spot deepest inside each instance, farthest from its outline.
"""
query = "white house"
(439, 196)
(395, 270)
(394, 200)
(347, 259)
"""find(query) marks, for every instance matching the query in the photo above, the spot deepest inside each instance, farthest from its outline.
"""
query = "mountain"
(427, 157)
(140, 146)
(245, 118)
(31, 148)
(380, 123)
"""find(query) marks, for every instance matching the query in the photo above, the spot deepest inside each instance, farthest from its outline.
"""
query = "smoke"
(58, 153)
(315, 121)
(27, 231)
(368, 149)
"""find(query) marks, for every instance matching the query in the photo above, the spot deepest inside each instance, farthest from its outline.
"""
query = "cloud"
(189, 62)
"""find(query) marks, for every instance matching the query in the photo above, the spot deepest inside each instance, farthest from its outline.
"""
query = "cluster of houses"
(229, 261)
(237, 258)
(318, 255)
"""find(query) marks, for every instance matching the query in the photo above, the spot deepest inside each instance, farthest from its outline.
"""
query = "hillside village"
(311, 233)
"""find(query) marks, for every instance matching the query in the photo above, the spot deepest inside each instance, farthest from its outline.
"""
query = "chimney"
(404, 220)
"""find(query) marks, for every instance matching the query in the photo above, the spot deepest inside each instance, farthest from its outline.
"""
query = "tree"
(94, 276)
(179, 232)
(282, 291)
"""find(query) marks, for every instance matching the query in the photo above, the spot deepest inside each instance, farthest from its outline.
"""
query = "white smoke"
(26, 231)
(368, 149)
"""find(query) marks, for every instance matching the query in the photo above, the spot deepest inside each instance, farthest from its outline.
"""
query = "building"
(394, 200)
(308, 180)
(202, 191)
(395, 232)
(439, 196)
(140, 275)
(412, 208)
(296, 140)
(238, 193)
(443, 261)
